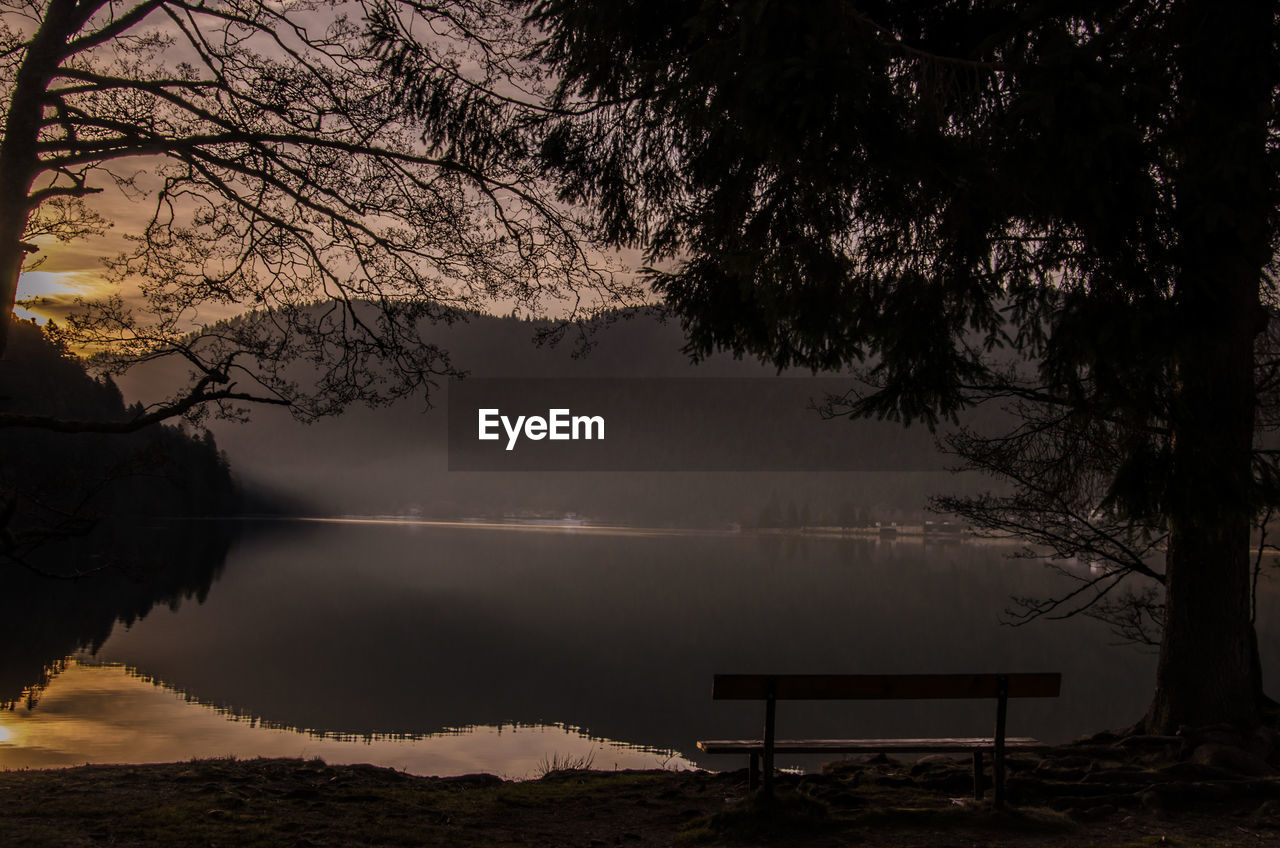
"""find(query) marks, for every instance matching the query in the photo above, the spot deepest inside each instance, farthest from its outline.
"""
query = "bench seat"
(870, 746)
(772, 688)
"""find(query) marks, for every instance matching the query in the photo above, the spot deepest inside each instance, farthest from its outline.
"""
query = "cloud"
(52, 294)
(54, 283)
(44, 308)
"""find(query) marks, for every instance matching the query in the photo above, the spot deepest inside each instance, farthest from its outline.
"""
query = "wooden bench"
(772, 688)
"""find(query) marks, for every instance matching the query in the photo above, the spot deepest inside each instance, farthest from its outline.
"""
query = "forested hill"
(57, 484)
(393, 460)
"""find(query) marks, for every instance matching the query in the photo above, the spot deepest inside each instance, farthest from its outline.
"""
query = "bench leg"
(997, 756)
(977, 776)
(997, 769)
(770, 711)
(753, 772)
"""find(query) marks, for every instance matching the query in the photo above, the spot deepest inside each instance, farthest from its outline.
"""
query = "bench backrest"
(857, 687)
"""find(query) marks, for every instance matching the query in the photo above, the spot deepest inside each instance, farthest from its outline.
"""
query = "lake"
(444, 648)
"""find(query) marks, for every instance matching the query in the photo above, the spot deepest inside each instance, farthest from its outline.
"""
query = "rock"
(1101, 811)
(1028, 785)
(1048, 788)
(1142, 740)
(1232, 759)
(1268, 813)
(842, 768)
(1265, 745)
(836, 795)
(1087, 802)
(1047, 771)
(1156, 805)
(939, 764)
(1070, 761)
(857, 761)
(471, 781)
(1178, 794)
(1258, 787)
(1107, 764)
(947, 781)
(1122, 777)
(1014, 763)
(1102, 737)
(1213, 734)
(1195, 771)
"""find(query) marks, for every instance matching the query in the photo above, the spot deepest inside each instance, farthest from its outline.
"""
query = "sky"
(62, 273)
(71, 270)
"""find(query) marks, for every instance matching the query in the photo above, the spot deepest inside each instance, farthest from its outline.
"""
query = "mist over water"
(396, 459)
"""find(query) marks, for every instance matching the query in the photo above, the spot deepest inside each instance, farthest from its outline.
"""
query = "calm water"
(451, 648)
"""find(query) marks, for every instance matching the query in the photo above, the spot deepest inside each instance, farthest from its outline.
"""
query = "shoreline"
(1105, 791)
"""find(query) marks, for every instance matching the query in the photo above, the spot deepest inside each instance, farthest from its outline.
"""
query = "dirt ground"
(1076, 797)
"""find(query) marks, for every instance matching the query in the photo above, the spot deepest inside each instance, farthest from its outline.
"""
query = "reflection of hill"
(42, 620)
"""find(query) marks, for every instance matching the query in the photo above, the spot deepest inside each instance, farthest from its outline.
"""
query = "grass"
(565, 762)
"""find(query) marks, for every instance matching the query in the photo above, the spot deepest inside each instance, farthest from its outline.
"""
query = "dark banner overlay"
(764, 424)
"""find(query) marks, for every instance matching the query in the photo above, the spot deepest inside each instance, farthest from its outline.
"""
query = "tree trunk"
(19, 159)
(1208, 670)
(12, 255)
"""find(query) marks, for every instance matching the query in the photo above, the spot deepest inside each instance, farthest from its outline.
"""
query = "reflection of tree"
(42, 621)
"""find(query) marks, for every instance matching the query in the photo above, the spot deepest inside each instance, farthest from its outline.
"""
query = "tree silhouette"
(70, 503)
(1070, 207)
(281, 178)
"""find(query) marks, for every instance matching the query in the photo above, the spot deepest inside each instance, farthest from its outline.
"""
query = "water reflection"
(103, 714)
(133, 567)
(379, 630)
